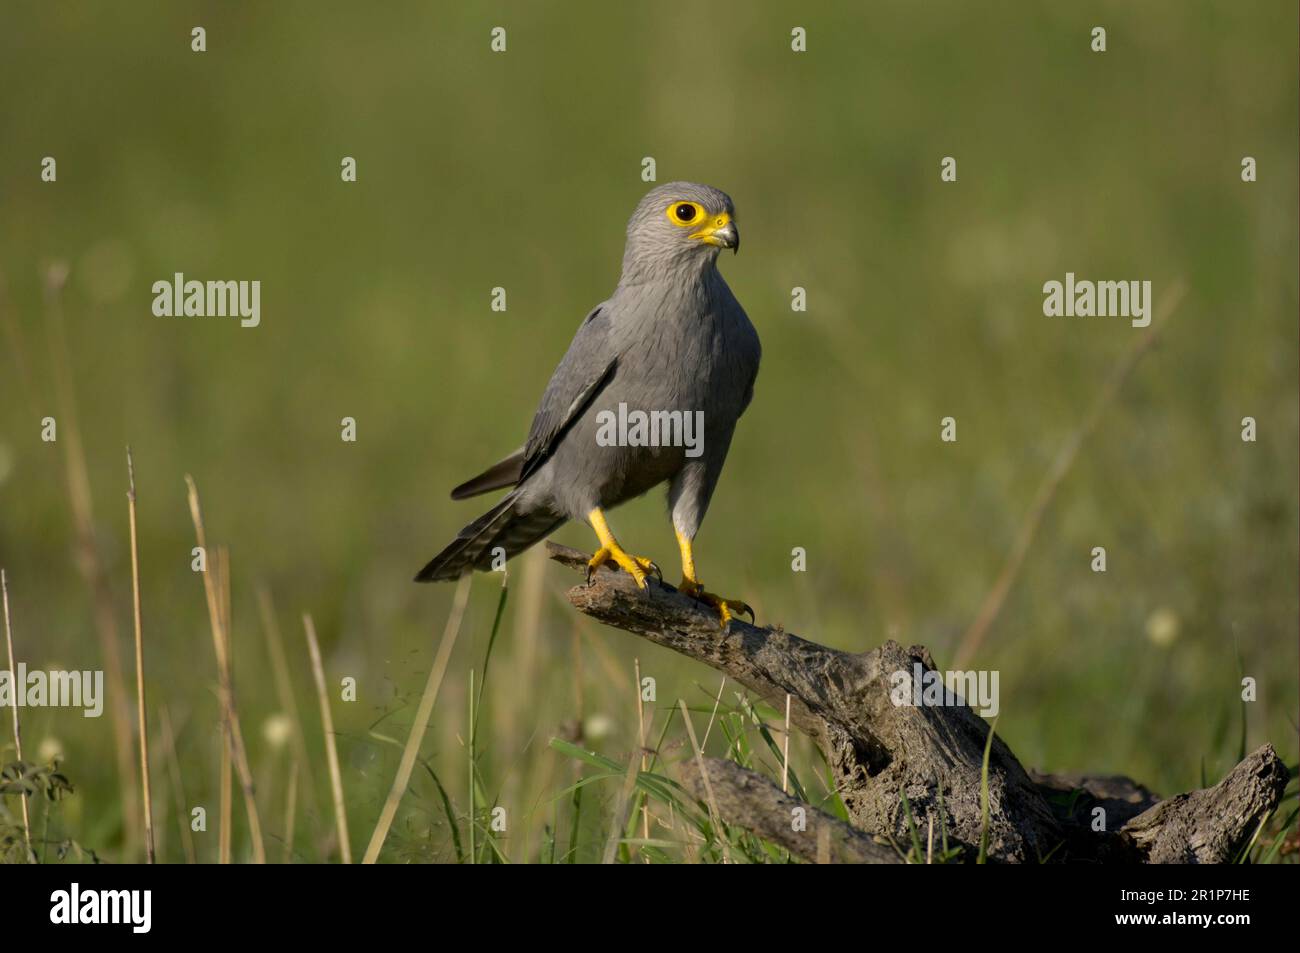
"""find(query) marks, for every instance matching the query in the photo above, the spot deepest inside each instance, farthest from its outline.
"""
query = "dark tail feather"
(502, 474)
(474, 546)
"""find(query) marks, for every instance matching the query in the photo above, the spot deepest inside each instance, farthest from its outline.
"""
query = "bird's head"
(680, 224)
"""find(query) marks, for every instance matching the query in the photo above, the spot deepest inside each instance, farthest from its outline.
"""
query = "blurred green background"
(519, 170)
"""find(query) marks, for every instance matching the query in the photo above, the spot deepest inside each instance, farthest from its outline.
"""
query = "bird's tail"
(504, 528)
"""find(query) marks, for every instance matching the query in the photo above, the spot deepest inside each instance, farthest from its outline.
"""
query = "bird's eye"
(685, 213)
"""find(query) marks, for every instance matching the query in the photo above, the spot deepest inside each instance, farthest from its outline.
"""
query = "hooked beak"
(728, 237)
(721, 231)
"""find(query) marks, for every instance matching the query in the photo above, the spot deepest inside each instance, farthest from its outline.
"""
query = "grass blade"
(422, 715)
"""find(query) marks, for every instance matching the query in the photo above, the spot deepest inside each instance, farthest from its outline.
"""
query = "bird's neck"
(642, 268)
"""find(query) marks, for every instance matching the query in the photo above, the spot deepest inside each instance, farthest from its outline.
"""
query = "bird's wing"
(587, 367)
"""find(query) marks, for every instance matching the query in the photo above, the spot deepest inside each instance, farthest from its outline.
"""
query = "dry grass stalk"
(225, 687)
(226, 828)
(422, 714)
(717, 703)
(226, 775)
(225, 772)
(645, 760)
(331, 749)
(530, 604)
(89, 562)
(714, 816)
(290, 812)
(785, 750)
(620, 810)
(512, 715)
(284, 689)
(177, 783)
(141, 720)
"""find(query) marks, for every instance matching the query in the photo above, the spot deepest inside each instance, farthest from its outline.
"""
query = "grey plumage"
(672, 337)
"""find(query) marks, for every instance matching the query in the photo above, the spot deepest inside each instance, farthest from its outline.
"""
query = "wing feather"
(587, 368)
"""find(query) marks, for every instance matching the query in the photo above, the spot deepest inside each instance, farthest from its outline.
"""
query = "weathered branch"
(879, 751)
(749, 800)
(1213, 825)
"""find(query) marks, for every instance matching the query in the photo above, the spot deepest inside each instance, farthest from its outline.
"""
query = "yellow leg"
(688, 561)
(692, 586)
(635, 566)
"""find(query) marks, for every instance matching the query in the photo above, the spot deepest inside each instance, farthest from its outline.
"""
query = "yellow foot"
(638, 567)
(727, 608)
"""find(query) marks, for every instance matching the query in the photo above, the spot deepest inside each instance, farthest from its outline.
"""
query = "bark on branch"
(879, 751)
(749, 800)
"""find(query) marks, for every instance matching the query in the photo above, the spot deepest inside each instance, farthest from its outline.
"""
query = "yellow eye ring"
(684, 214)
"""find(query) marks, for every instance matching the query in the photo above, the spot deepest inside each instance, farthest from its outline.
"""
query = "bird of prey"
(671, 338)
